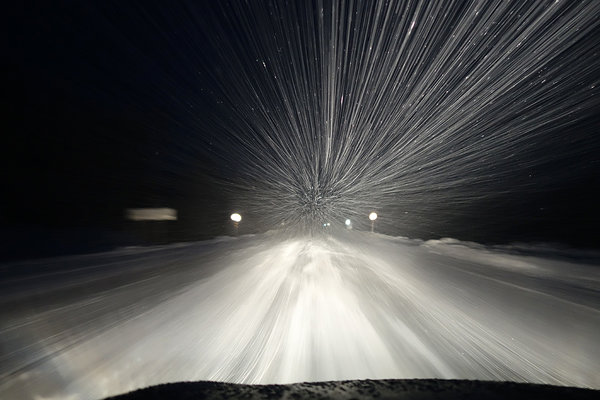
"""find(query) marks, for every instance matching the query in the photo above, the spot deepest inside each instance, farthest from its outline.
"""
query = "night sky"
(472, 120)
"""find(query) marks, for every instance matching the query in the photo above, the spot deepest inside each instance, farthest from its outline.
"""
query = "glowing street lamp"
(373, 217)
(236, 218)
(348, 224)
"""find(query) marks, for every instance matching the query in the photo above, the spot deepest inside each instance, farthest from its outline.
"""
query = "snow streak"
(337, 108)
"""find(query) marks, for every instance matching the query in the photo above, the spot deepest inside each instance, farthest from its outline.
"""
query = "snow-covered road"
(279, 309)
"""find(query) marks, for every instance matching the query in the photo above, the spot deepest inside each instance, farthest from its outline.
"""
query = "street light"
(373, 217)
(348, 224)
(236, 218)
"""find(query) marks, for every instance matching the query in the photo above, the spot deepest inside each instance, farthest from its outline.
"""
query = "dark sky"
(211, 108)
(100, 125)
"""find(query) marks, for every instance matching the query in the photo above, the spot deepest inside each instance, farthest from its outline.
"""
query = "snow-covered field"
(279, 309)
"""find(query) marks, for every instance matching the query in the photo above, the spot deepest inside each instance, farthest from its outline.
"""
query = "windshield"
(301, 191)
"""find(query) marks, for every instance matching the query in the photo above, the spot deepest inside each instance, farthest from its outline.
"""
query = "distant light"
(348, 222)
(151, 214)
(328, 224)
(373, 216)
(236, 217)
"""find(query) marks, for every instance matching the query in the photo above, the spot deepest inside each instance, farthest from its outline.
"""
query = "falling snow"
(368, 105)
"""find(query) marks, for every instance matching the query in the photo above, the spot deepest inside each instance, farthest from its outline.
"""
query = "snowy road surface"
(276, 309)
